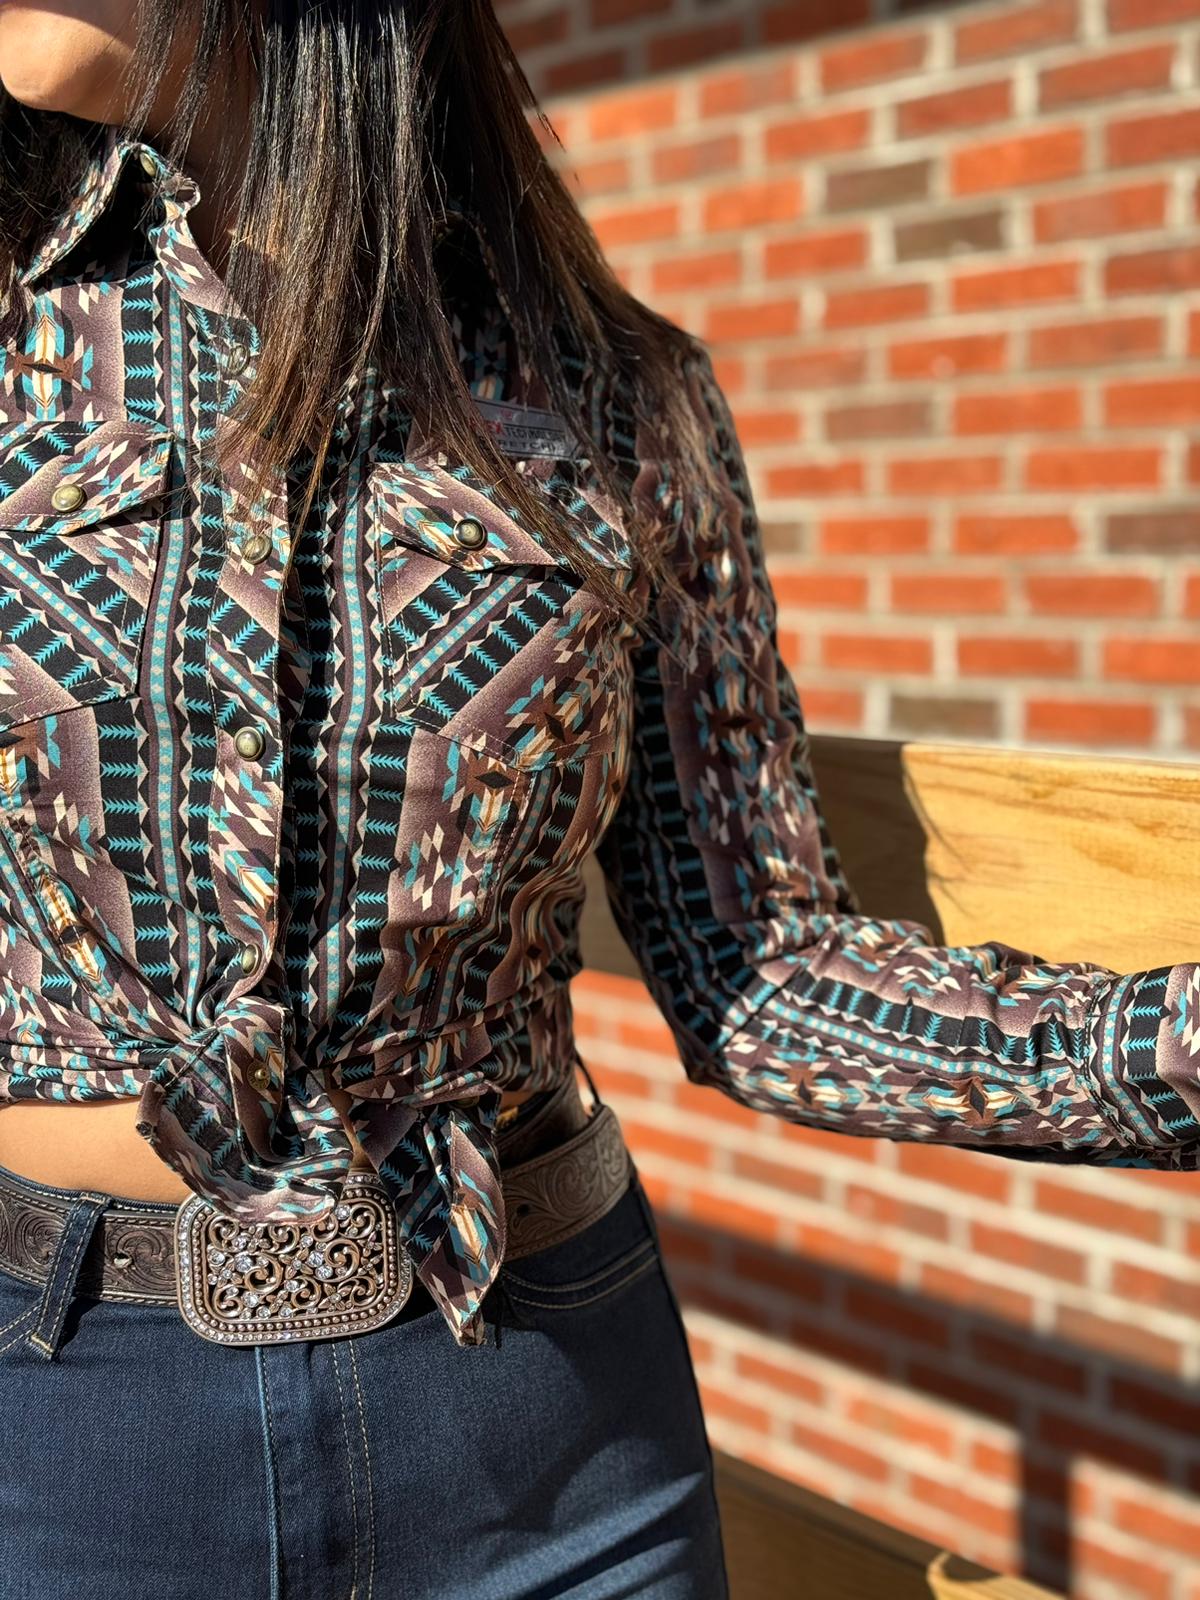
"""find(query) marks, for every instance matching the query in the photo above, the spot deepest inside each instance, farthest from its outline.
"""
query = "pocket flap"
(421, 506)
(109, 465)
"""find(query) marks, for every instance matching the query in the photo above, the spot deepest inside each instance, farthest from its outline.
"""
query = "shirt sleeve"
(724, 881)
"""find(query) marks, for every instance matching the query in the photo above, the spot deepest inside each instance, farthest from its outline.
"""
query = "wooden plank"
(1069, 857)
(782, 1540)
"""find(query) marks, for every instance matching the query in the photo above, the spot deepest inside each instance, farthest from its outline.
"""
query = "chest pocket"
(80, 526)
(489, 636)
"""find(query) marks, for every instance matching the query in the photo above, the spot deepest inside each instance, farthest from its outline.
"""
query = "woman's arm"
(725, 883)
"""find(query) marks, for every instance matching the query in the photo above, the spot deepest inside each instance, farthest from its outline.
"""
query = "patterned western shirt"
(286, 808)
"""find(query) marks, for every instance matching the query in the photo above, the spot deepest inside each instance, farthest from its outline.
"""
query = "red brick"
(712, 269)
(839, 591)
(752, 205)
(944, 475)
(835, 1144)
(1097, 342)
(1100, 213)
(1153, 401)
(784, 1380)
(979, 1294)
(905, 1424)
(1097, 1211)
(1157, 136)
(1157, 1525)
(948, 356)
(1016, 28)
(535, 33)
(756, 319)
(891, 1211)
(899, 1314)
(1018, 534)
(1123, 14)
(858, 652)
(803, 19)
(582, 72)
(633, 113)
(1025, 284)
(834, 366)
(1073, 1432)
(609, 175)
(887, 302)
(874, 535)
(1153, 660)
(1089, 722)
(748, 89)
(831, 250)
(952, 109)
(1018, 410)
(987, 1398)
(1019, 1358)
(1136, 1577)
(968, 1509)
(669, 52)
(718, 1402)
(1099, 594)
(657, 1140)
(788, 1177)
(1146, 1404)
(862, 1463)
(909, 417)
(798, 1280)
(844, 1251)
(1175, 1292)
(696, 158)
(636, 224)
(1029, 1253)
(737, 1218)
(816, 477)
(1103, 77)
(839, 709)
(1097, 467)
(1165, 271)
(949, 593)
(861, 61)
(1018, 657)
(1046, 156)
(769, 427)
(817, 134)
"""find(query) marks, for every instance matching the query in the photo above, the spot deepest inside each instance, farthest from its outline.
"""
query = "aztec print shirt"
(308, 809)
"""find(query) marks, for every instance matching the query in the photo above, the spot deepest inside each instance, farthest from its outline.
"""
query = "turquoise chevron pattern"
(293, 807)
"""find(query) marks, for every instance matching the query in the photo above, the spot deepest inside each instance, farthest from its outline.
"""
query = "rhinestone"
(287, 1311)
(324, 1271)
(251, 1299)
(306, 1240)
(68, 497)
(264, 1311)
(341, 1212)
(218, 1256)
(243, 1261)
(315, 1258)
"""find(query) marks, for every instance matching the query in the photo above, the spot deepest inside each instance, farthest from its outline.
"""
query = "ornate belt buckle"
(268, 1282)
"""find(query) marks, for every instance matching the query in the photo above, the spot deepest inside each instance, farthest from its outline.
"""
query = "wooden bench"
(1051, 853)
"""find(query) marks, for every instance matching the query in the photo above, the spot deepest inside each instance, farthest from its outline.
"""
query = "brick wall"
(947, 266)
(947, 262)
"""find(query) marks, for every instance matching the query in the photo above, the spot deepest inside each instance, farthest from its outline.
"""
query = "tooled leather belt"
(562, 1168)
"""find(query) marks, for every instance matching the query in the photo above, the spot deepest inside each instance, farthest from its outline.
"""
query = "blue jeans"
(565, 1457)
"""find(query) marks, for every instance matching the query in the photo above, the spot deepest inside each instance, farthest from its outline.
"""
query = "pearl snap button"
(236, 358)
(248, 742)
(148, 163)
(256, 547)
(68, 497)
(470, 533)
(248, 958)
(259, 1075)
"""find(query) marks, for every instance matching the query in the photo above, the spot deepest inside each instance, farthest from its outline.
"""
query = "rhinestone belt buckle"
(268, 1282)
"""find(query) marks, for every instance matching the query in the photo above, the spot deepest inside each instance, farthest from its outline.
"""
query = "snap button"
(470, 533)
(236, 358)
(248, 742)
(248, 958)
(256, 547)
(68, 497)
(148, 163)
(259, 1076)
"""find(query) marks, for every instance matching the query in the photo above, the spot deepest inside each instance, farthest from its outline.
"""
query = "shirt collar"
(103, 171)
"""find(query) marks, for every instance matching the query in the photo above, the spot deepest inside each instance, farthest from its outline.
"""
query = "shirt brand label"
(526, 431)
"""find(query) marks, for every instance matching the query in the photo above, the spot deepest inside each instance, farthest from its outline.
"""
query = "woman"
(370, 559)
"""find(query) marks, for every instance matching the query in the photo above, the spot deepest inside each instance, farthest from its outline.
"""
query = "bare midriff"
(97, 1146)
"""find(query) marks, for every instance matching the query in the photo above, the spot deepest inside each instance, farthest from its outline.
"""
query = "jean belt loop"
(69, 1250)
(582, 1065)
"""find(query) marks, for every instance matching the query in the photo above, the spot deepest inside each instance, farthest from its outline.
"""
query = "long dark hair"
(365, 117)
